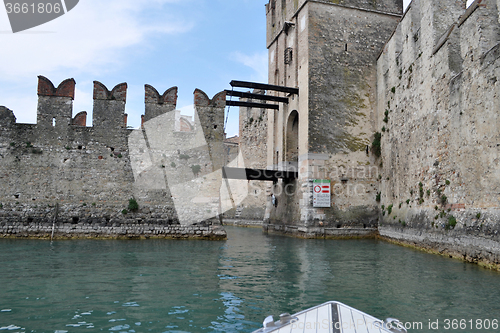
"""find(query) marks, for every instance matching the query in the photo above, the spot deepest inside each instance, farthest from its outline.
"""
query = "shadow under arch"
(292, 141)
(286, 192)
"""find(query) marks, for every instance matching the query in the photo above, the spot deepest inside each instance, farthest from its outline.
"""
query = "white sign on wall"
(321, 193)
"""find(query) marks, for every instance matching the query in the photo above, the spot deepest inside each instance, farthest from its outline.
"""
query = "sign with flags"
(321, 193)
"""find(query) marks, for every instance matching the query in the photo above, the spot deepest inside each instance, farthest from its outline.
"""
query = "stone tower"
(328, 49)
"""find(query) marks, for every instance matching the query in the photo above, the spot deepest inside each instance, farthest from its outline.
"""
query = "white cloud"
(95, 38)
(89, 38)
(256, 61)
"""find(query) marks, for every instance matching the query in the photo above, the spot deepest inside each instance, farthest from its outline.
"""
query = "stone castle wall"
(328, 49)
(253, 147)
(60, 172)
(439, 116)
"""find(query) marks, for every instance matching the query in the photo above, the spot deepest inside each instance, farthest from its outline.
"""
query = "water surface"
(230, 286)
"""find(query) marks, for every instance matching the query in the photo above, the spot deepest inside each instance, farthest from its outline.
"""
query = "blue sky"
(186, 43)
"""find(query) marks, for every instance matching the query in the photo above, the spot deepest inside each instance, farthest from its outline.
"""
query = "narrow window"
(346, 47)
(53, 122)
(288, 55)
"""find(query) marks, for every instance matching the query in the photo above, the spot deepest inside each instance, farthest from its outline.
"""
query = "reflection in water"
(201, 286)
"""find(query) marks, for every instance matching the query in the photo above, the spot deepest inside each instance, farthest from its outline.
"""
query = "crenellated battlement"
(61, 170)
(201, 99)
(157, 104)
(55, 108)
(80, 119)
(57, 127)
(65, 88)
(442, 31)
(109, 107)
(168, 97)
(119, 92)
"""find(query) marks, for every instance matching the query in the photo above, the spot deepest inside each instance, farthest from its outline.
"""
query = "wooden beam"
(256, 96)
(257, 174)
(262, 86)
(253, 105)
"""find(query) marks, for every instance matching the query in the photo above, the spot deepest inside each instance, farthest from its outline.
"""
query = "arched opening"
(185, 125)
(292, 139)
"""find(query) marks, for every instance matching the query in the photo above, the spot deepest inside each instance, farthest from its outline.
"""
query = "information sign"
(321, 193)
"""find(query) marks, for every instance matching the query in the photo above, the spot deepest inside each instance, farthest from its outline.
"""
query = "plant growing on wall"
(376, 144)
(452, 222)
(133, 205)
(196, 169)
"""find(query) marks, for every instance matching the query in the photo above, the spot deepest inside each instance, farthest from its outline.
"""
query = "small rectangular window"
(288, 55)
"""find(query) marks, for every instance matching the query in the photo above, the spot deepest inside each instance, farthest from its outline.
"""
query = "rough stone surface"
(81, 178)
(328, 49)
(427, 84)
(108, 230)
(320, 232)
(437, 82)
(253, 147)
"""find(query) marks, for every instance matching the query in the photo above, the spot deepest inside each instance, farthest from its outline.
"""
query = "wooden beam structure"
(253, 105)
(256, 96)
(262, 86)
(257, 174)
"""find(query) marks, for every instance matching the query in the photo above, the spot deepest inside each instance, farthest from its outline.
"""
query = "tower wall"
(333, 47)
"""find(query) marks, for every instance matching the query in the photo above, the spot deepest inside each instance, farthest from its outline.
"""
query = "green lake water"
(231, 286)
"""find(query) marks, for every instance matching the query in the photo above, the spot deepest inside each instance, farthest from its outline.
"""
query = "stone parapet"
(109, 230)
(469, 245)
(318, 232)
(92, 173)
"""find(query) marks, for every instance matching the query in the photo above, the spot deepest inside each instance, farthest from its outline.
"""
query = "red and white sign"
(321, 193)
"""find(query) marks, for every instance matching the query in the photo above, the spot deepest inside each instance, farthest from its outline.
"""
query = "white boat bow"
(330, 317)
